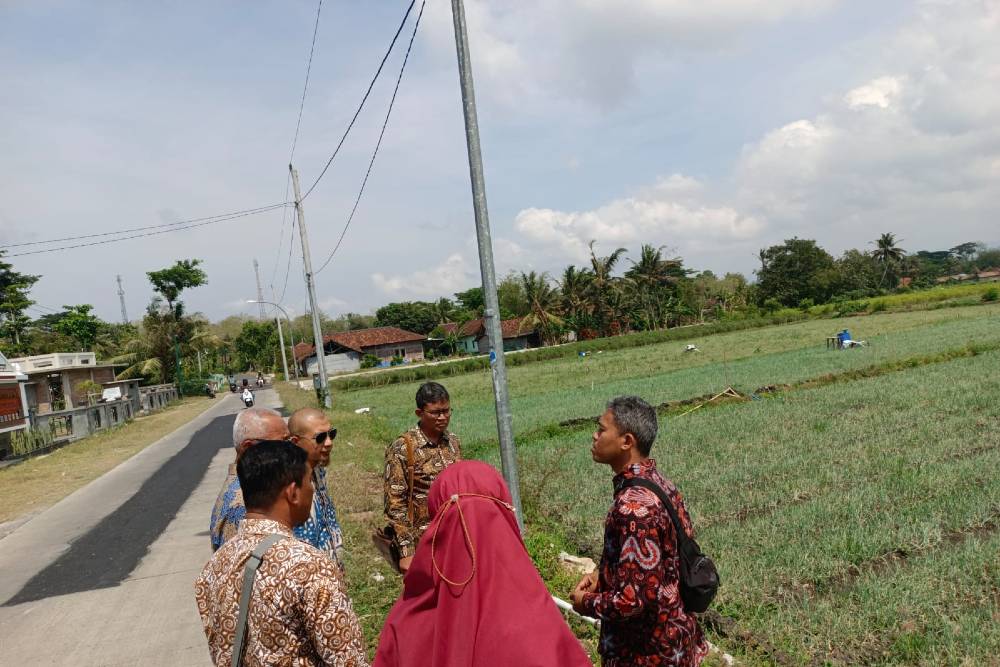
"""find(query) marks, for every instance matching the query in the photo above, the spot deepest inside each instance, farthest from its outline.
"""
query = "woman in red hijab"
(472, 596)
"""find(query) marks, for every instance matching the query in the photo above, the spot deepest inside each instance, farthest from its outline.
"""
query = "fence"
(69, 425)
(156, 396)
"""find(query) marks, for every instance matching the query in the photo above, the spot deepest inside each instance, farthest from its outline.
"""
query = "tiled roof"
(361, 339)
(509, 328)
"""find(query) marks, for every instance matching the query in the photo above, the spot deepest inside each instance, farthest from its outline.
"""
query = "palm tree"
(887, 253)
(444, 310)
(543, 301)
(602, 283)
(652, 275)
(574, 287)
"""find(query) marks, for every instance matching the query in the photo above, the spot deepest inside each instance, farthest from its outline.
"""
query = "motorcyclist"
(247, 396)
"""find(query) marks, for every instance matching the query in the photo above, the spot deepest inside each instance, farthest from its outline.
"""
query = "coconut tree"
(574, 289)
(602, 284)
(887, 253)
(653, 277)
(543, 301)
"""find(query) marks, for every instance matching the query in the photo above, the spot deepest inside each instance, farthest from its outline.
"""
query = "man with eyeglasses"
(412, 463)
(312, 432)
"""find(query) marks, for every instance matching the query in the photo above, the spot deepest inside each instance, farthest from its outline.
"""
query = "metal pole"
(121, 298)
(505, 429)
(281, 342)
(260, 292)
(311, 289)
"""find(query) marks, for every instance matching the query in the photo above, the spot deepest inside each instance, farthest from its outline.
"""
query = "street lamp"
(281, 338)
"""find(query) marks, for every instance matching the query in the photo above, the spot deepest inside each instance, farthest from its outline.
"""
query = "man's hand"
(588, 584)
(404, 563)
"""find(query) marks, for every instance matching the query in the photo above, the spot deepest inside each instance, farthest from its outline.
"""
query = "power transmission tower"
(505, 427)
(121, 297)
(311, 289)
(260, 292)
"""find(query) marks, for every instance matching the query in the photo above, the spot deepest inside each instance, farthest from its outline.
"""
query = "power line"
(364, 99)
(295, 141)
(242, 214)
(378, 144)
(288, 266)
(250, 211)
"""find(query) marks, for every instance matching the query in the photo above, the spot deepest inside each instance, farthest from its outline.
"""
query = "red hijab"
(496, 612)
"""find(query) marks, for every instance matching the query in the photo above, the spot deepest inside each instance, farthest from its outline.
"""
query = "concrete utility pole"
(281, 337)
(505, 428)
(121, 297)
(311, 289)
(260, 292)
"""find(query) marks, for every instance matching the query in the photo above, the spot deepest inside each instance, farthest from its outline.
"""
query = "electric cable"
(241, 214)
(364, 99)
(378, 144)
(250, 211)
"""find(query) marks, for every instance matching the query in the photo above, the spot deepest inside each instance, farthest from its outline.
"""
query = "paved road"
(105, 577)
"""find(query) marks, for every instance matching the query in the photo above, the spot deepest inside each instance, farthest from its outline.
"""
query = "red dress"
(643, 621)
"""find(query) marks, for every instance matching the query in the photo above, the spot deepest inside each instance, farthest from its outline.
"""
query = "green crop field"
(853, 516)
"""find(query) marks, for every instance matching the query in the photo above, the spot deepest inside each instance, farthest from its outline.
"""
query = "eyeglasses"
(322, 435)
(438, 413)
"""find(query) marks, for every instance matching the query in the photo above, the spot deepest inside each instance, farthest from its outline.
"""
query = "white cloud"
(670, 212)
(879, 93)
(530, 54)
(447, 277)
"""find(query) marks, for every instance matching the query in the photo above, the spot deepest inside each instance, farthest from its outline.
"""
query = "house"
(13, 408)
(55, 381)
(345, 350)
(473, 338)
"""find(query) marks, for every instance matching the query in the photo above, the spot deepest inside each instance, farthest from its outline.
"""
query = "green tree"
(543, 304)
(80, 325)
(857, 272)
(511, 297)
(416, 316)
(172, 281)
(471, 301)
(654, 279)
(14, 289)
(257, 345)
(795, 270)
(887, 253)
(605, 304)
(574, 288)
(444, 310)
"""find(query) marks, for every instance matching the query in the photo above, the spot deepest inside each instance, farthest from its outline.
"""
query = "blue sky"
(715, 127)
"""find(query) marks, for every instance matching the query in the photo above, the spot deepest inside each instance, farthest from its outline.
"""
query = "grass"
(40, 482)
(853, 518)
(542, 394)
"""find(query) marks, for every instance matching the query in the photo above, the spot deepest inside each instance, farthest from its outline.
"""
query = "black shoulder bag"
(699, 580)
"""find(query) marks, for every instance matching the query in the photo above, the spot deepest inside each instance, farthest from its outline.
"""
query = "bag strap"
(249, 574)
(413, 471)
(667, 505)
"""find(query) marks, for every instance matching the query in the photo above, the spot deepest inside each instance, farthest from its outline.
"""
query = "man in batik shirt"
(636, 592)
(312, 432)
(252, 425)
(412, 463)
(299, 614)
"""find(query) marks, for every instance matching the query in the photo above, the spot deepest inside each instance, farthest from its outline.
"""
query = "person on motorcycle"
(247, 396)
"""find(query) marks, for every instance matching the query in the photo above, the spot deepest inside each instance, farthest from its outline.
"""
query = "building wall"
(335, 363)
(413, 351)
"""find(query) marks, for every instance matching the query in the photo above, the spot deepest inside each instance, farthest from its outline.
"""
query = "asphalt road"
(105, 577)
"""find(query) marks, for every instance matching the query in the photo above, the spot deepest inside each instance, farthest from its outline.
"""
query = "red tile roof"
(360, 340)
(511, 328)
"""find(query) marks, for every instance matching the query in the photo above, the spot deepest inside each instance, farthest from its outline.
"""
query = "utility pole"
(324, 389)
(505, 428)
(260, 292)
(121, 297)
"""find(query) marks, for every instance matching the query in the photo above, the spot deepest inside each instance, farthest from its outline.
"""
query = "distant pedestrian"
(412, 462)
(311, 430)
(298, 613)
(251, 426)
(636, 591)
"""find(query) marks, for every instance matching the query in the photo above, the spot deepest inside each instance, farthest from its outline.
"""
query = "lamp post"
(281, 338)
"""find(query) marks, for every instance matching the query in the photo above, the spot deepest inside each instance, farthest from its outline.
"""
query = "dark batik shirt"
(638, 600)
(428, 462)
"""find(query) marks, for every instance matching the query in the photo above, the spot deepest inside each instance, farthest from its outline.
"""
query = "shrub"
(806, 304)
(396, 361)
(992, 294)
(369, 361)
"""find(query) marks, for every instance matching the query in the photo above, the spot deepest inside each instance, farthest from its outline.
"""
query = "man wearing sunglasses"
(310, 429)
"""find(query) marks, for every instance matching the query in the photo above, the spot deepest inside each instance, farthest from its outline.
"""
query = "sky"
(714, 128)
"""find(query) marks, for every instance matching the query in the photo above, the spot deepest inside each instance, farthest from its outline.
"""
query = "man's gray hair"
(636, 416)
(250, 423)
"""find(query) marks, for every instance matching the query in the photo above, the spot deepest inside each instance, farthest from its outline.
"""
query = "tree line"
(610, 294)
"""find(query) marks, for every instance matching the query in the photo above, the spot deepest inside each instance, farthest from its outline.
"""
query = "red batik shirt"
(638, 600)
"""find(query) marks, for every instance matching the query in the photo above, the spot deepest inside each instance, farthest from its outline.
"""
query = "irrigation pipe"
(566, 606)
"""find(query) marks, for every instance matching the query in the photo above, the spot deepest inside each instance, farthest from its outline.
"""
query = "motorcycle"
(260, 382)
(248, 398)
(209, 391)
(232, 387)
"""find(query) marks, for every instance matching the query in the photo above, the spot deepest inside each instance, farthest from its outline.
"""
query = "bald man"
(311, 430)
(251, 426)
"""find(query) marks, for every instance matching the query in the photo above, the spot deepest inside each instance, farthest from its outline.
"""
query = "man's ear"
(628, 441)
(292, 493)
(294, 438)
(417, 412)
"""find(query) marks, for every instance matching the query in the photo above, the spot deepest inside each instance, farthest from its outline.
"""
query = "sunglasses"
(321, 437)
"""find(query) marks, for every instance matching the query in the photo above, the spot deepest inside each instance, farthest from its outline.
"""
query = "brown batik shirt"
(428, 462)
(299, 613)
